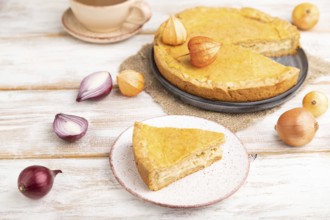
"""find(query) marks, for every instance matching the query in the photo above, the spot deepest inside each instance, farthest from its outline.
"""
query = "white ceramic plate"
(202, 188)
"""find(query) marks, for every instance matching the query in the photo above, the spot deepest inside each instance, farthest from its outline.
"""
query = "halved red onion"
(70, 127)
(36, 181)
(95, 86)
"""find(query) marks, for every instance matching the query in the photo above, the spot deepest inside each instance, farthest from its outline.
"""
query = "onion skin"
(60, 131)
(36, 181)
(87, 91)
(296, 127)
(305, 16)
(316, 102)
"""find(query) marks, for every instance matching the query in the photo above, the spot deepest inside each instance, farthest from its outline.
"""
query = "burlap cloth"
(173, 106)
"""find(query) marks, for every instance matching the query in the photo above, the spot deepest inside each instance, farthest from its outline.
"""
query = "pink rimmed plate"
(205, 187)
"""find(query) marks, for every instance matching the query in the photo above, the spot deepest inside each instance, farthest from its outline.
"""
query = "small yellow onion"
(130, 82)
(305, 16)
(316, 102)
(296, 127)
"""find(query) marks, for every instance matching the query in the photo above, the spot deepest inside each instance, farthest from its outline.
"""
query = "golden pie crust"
(241, 72)
(165, 154)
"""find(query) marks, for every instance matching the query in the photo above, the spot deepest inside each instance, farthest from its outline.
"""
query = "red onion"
(70, 127)
(95, 86)
(36, 181)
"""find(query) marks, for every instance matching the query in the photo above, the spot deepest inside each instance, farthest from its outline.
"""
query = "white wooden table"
(40, 69)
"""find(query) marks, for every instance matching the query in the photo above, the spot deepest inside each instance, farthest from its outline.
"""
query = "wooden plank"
(36, 53)
(261, 137)
(35, 18)
(26, 119)
(316, 44)
(286, 186)
(60, 63)
(45, 18)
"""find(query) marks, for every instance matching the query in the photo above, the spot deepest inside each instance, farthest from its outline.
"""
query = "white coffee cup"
(108, 15)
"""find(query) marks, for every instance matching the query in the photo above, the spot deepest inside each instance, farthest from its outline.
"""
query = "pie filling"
(271, 48)
(163, 177)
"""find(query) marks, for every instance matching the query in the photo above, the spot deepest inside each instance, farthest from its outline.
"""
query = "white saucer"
(202, 188)
(77, 30)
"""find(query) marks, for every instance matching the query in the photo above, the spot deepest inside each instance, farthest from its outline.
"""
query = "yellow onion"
(296, 127)
(305, 16)
(316, 102)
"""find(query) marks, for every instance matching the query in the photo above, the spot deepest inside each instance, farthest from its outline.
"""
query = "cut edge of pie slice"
(288, 34)
(164, 155)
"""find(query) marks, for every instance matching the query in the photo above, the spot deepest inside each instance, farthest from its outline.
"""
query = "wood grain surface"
(41, 67)
(278, 186)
